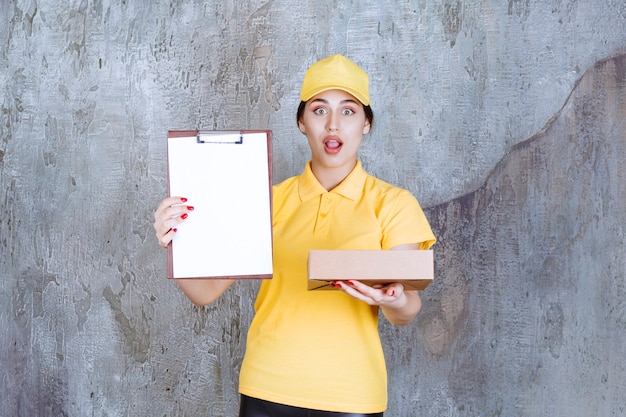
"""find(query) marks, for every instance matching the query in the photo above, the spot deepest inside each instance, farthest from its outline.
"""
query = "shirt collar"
(351, 187)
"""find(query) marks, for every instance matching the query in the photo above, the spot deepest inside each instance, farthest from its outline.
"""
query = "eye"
(347, 112)
(320, 111)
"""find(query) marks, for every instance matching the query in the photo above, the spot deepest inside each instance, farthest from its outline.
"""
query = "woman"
(318, 353)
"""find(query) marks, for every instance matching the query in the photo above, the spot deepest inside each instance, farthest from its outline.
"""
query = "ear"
(301, 127)
(366, 127)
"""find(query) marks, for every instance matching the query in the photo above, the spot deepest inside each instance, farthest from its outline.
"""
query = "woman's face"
(334, 123)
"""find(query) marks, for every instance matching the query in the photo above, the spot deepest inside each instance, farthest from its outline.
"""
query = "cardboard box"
(413, 268)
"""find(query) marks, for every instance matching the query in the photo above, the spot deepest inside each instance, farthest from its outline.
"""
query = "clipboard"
(227, 177)
(414, 269)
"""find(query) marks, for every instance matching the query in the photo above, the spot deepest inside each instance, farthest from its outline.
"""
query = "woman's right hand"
(171, 212)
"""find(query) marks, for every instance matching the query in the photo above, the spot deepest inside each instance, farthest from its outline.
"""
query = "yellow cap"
(336, 72)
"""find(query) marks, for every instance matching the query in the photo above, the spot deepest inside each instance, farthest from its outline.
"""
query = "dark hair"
(369, 113)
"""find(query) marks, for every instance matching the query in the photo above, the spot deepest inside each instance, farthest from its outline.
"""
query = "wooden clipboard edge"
(187, 133)
(237, 277)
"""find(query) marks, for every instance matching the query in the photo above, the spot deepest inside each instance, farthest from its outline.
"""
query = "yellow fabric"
(321, 349)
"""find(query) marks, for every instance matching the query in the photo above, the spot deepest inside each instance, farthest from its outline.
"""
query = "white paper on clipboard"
(226, 177)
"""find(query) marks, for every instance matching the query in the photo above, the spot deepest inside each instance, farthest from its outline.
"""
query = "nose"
(332, 123)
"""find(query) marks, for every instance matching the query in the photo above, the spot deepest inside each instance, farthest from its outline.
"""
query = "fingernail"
(183, 199)
(184, 216)
(174, 230)
(339, 284)
(332, 284)
(392, 293)
(351, 283)
(190, 208)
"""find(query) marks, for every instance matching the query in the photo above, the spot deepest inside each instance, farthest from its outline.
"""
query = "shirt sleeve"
(403, 222)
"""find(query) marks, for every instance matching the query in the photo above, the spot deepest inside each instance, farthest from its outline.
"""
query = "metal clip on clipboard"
(233, 137)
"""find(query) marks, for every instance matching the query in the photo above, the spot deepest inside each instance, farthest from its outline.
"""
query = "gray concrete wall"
(505, 119)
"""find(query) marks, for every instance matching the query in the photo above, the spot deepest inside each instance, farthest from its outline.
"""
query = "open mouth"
(332, 144)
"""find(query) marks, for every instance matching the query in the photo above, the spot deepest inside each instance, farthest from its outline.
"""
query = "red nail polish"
(339, 285)
(183, 199)
(190, 208)
(184, 216)
(351, 283)
(174, 230)
(392, 293)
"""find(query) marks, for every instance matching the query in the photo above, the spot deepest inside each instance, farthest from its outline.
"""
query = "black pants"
(253, 407)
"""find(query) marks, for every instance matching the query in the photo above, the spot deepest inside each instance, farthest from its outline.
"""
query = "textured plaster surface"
(505, 119)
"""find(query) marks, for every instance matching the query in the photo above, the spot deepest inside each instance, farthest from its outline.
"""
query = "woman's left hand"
(377, 295)
(399, 306)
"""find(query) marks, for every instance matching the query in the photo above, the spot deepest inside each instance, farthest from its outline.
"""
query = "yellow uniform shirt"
(321, 349)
